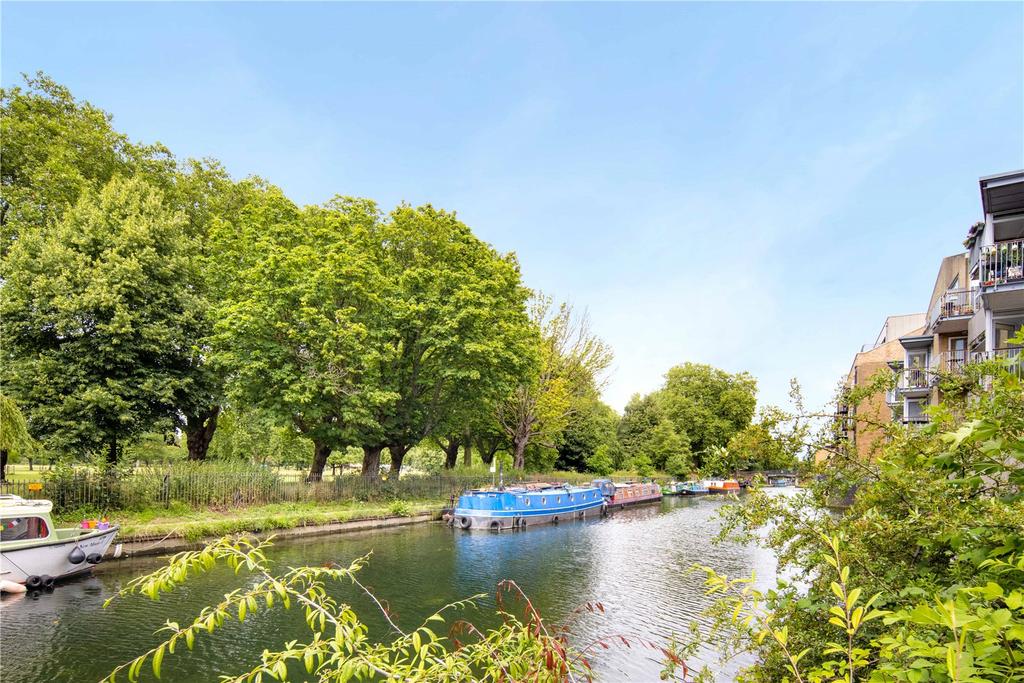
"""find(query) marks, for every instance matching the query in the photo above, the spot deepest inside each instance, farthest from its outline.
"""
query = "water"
(635, 562)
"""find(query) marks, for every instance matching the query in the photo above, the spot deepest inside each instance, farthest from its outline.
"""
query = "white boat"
(35, 553)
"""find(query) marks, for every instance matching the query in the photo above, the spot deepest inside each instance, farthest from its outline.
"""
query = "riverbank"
(176, 528)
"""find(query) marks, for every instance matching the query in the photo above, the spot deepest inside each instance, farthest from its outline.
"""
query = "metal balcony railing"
(949, 362)
(1002, 262)
(913, 378)
(916, 420)
(1012, 357)
(952, 303)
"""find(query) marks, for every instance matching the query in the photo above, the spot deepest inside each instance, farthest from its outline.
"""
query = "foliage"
(601, 461)
(92, 318)
(707, 404)
(592, 426)
(571, 362)
(253, 436)
(935, 530)
(14, 436)
(340, 648)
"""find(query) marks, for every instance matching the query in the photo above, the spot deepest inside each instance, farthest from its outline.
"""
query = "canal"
(635, 562)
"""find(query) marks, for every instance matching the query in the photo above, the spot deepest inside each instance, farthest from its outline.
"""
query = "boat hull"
(51, 558)
(615, 502)
(503, 520)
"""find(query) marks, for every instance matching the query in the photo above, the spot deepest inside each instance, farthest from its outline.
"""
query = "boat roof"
(16, 506)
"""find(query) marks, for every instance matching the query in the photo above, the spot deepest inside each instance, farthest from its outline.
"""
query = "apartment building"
(975, 308)
(858, 424)
(976, 305)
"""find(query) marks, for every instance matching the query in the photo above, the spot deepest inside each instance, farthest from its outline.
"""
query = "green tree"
(291, 331)
(639, 419)
(92, 318)
(448, 336)
(665, 443)
(707, 404)
(57, 149)
(571, 363)
(591, 426)
(14, 437)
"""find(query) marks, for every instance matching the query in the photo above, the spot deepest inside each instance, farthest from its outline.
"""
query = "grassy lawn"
(193, 524)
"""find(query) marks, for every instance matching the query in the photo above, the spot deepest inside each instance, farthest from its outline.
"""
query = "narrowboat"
(630, 493)
(780, 482)
(691, 488)
(518, 507)
(36, 553)
(722, 485)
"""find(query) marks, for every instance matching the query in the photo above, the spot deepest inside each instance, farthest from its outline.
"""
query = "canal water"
(635, 562)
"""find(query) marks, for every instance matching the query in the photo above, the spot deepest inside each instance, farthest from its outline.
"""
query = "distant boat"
(691, 488)
(780, 482)
(518, 507)
(722, 485)
(630, 493)
(36, 553)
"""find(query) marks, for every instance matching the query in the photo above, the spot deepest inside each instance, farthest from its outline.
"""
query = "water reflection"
(636, 562)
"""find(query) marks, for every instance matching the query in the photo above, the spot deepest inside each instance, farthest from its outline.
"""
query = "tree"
(591, 426)
(292, 330)
(447, 337)
(707, 404)
(92, 318)
(57, 149)
(571, 362)
(14, 437)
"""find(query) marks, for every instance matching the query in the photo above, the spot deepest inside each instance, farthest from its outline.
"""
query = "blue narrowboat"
(518, 507)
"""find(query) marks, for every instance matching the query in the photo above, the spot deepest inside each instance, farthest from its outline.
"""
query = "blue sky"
(754, 186)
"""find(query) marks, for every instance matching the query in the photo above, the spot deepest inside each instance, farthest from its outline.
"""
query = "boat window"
(559, 499)
(24, 529)
(526, 502)
(543, 501)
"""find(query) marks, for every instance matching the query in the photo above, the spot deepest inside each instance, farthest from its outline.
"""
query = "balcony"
(1012, 358)
(914, 382)
(949, 362)
(952, 310)
(916, 420)
(1001, 263)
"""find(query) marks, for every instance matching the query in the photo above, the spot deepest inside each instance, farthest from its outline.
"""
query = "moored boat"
(630, 493)
(722, 485)
(518, 507)
(691, 488)
(36, 553)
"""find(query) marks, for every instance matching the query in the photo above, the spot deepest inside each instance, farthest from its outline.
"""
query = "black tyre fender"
(76, 556)
(34, 583)
(465, 522)
(94, 558)
(495, 525)
(47, 580)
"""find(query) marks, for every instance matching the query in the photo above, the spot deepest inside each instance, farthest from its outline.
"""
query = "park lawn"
(194, 524)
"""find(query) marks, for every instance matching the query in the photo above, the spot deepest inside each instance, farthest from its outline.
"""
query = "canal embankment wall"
(147, 546)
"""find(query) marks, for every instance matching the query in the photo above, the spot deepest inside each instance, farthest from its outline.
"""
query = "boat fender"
(48, 581)
(33, 582)
(604, 509)
(581, 514)
(520, 522)
(464, 522)
(94, 558)
(11, 587)
(495, 525)
(554, 520)
(76, 556)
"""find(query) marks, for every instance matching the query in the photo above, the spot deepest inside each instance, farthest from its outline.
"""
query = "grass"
(192, 524)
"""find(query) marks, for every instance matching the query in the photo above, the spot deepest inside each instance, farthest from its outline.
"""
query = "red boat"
(722, 486)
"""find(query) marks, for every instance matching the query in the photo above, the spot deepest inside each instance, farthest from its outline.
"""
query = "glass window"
(543, 501)
(23, 529)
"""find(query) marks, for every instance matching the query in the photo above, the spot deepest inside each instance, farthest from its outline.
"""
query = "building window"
(24, 529)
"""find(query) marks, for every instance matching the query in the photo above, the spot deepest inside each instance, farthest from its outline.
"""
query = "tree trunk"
(488, 449)
(199, 429)
(467, 453)
(397, 456)
(321, 452)
(371, 462)
(112, 451)
(451, 452)
(3, 465)
(519, 452)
